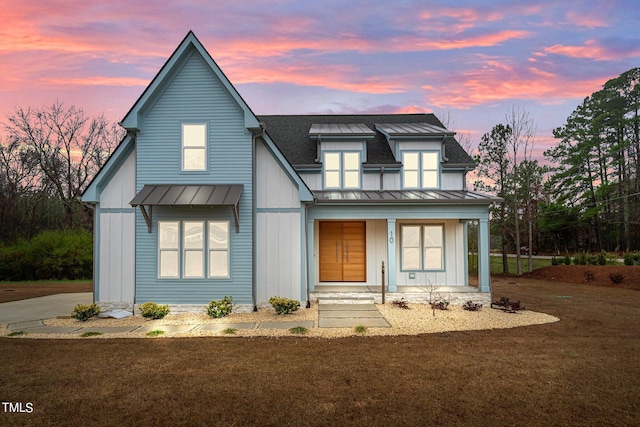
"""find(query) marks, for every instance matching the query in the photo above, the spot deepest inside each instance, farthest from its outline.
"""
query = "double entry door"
(343, 251)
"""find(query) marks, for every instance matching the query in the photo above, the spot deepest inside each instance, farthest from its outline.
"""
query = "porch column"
(311, 264)
(484, 276)
(390, 270)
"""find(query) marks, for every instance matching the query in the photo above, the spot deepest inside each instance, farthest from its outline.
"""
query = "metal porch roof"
(188, 195)
(405, 196)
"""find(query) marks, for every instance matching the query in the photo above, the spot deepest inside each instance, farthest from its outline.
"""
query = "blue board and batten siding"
(194, 94)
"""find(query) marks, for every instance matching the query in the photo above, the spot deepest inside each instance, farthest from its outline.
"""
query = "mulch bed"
(596, 275)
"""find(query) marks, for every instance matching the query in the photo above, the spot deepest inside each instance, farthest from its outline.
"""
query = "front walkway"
(329, 316)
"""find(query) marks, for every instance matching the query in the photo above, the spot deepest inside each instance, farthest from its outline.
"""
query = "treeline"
(587, 200)
(594, 185)
(47, 158)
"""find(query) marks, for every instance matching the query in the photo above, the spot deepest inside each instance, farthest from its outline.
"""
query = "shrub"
(628, 259)
(580, 259)
(401, 303)
(616, 277)
(298, 330)
(284, 305)
(155, 333)
(567, 260)
(91, 334)
(229, 331)
(360, 329)
(555, 261)
(53, 254)
(84, 312)
(509, 306)
(153, 311)
(442, 304)
(471, 306)
(220, 308)
(588, 276)
(16, 333)
(602, 259)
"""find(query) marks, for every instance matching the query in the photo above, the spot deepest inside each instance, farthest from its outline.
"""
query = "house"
(203, 199)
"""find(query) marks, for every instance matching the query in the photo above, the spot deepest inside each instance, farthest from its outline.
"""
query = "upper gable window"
(420, 169)
(194, 147)
(342, 170)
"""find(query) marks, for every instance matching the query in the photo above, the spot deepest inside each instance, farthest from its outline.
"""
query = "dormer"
(420, 147)
(341, 149)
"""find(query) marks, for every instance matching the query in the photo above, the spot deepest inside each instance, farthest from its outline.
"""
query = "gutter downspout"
(381, 178)
(444, 153)
(253, 214)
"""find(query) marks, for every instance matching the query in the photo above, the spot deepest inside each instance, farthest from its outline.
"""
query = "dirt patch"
(15, 291)
(596, 275)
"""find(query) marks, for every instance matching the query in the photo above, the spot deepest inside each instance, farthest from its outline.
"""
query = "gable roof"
(291, 134)
(132, 119)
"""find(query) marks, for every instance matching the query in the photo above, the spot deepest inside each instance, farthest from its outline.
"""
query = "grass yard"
(14, 291)
(583, 370)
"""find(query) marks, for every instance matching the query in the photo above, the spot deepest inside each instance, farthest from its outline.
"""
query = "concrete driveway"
(42, 307)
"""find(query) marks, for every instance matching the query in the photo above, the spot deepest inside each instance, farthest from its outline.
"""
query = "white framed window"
(194, 147)
(342, 170)
(421, 169)
(193, 249)
(422, 247)
(219, 249)
(188, 249)
(168, 248)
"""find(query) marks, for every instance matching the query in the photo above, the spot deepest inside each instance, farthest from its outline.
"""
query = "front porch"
(366, 294)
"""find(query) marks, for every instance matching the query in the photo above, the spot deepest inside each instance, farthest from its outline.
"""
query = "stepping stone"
(166, 328)
(217, 327)
(24, 325)
(107, 330)
(286, 325)
(353, 322)
(51, 330)
(348, 314)
(346, 307)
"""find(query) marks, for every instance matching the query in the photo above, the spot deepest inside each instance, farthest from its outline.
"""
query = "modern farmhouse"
(204, 199)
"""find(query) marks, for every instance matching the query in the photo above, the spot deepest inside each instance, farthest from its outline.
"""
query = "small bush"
(91, 334)
(555, 261)
(220, 308)
(471, 306)
(298, 330)
(588, 276)
(401, 303)
(442, 304)
(509, 306)
(229, 331)
(593, 260)
(155, 333)
(360, 329)
(616, 277)
(84, 312)
(152, 310)
(628, 258)
(567, 260)
(284, 305)
(16, 333)
(602, 259)
(580, 259)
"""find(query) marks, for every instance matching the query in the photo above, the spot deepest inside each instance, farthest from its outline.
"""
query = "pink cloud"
(592, 49)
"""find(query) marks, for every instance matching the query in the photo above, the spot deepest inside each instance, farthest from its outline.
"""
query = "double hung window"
(422, 247)
(182, 246)
(194, 147)
(342, 170)
(420, 169)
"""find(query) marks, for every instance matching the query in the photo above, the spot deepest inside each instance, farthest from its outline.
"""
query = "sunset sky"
(472, 60)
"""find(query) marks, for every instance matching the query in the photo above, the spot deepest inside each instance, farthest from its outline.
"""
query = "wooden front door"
(343, 251)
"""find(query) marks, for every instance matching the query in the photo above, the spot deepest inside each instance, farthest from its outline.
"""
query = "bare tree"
(65, 146)
(521, 142)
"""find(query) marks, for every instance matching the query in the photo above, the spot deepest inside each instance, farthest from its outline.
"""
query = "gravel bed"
(418, 319)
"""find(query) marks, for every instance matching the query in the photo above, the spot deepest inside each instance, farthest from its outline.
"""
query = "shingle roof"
(291, 134)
